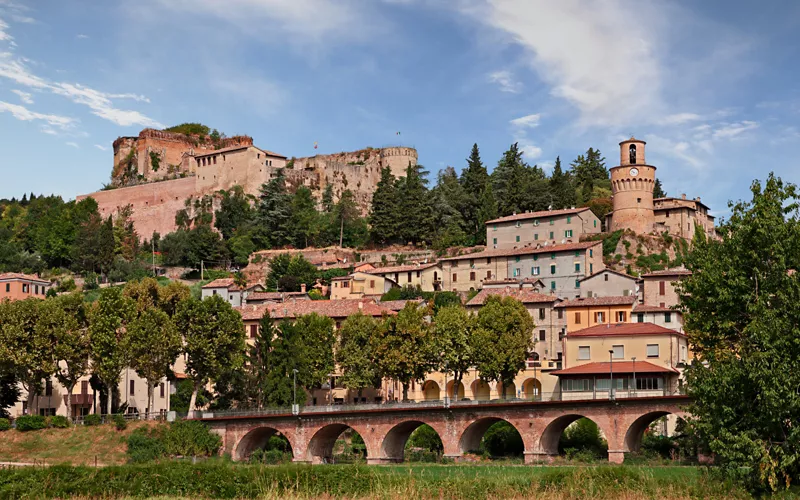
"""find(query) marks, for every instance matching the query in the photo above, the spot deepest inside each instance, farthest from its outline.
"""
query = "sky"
(712, 86)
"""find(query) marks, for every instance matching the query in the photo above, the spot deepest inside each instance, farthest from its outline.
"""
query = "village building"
(531, 228)
(17, 286)
(359, 285)
(425, 276)
(229, 290)
(661, 316)
(659, 287)
(680, 217)
(609, 283)
(585, 312)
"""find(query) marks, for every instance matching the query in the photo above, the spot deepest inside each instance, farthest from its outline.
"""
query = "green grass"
(221, 479)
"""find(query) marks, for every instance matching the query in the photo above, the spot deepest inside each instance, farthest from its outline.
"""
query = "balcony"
(79, 399)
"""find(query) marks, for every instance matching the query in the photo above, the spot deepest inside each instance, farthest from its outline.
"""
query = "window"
(576, 385)
(577, 267)
(649, 383)
(535, 271)
(25, 288)
(667, 317)
(568, 233)
(560, 314)
(541, 313)
(569, 220)
(683, 354)
(535, 222)
(455, 277)
(638, 200)
(552, 255)
(230, 297)
(622, 316)
(488, 275)
(472, 276)
(48, 387)
(542, 335)
(516, 259)
(8, 287)
(494, 241)
(471, 262)
(253, 331)
(161, 389)
(345, 284)
(372, 283)
(455, 263)
(561, 334)
(591, 253)
(409, 276)
(640, 317)
(662, 287)
(591, 268)
(600, 317)
(552, 285)
(36, 289)
(553, 269)
(577, 253)
(536, 257)
(517, 224)
(577, 283)
(488, 260)
(552, 235)
(578, 318)
(517, 238)
(536, 236)
(552, 221)
(605, 277)
(494, 227)
(584, 352)
(619, 352)
(131, 387)
(516, 272)
(652, 350)
(214, 292)
(595, 223)
(417, 274)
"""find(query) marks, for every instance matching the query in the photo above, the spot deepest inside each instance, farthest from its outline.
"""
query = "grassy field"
(220, 479)
(78, 445)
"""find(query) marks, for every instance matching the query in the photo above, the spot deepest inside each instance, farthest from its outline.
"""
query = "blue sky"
(712, 86)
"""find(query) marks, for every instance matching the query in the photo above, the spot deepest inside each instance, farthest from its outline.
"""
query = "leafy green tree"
(503, 339)
(589, 171)
(235, 213)
(354, 354)
(259, 360)
(304, 218)
(213, 339)
(287, 272)
(404, 348)
(171, 295)
(9, 390)
(126, 240)
(327, 199)
(449, 201)
(316, 340)
(741, 316)
(108, 330)
(346, 214)
(454, 332)
(145, 293)
(154, 344)
(384, 216)
(274, 214)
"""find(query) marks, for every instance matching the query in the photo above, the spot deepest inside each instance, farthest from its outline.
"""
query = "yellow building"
(427, 277)
(585, 312)
(360, 284)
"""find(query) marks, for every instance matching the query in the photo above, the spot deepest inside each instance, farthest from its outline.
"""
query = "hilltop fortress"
(158, 171)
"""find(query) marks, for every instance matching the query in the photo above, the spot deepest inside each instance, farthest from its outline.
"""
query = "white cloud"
(681, 118)
(506, 81)
(24, 114)
(733, 130)
(4, 36)
(530, 151)
(100, 103)
(529, 121)
(81, 36)
(25, 97)
(101, 148)
(72, 144)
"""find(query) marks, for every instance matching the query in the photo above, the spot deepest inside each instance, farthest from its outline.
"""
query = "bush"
(93, 419)
(270, 457)
(5, 424)
(145, 445)
(583, 435)
(502, 440)
(191, 438)
(426, 439)
(90, 282)
(59, 422)
(120, 422)
(31, 423)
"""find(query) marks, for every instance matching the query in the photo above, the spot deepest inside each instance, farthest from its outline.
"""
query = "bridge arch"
(531, 389)
(255, 439)
(635, 432)
(481, 391)
(458, 394)
(551, 435)
(470, 439)
(320, 446)
(394, 443)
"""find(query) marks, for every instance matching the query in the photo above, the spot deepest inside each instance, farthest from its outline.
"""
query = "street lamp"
(295, 409)
(634, 374)
(611, 374)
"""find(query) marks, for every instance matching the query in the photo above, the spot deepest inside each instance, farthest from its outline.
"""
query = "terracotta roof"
(644, 308)
(608, 270)
(538, 215)
(526, 296)
(398, 305)
(614, 329)
(599, 301)
(526, 250)
(604, 367)
(341, 278)
(513, 281)
(678, 271)
(400, 269)
(20, 276)
(331, 308)
(219, 283)
(270, 153)
(277, 295)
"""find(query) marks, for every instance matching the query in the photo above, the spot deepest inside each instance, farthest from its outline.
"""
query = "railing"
(437, 403)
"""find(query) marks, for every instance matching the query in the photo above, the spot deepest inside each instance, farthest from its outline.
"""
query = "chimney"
(360, 306)
(697, 199)
(683, 196)
(302, 288)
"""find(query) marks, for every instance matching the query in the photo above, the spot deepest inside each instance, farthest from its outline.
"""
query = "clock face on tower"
(634, 172)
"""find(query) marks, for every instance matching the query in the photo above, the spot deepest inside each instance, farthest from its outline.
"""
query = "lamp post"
(295, 409)
(611, 374)
(534, 379)
(634, 374)
(446, 398)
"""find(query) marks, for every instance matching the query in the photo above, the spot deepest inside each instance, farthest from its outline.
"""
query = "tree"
(741, 316)
(346, 214)
(315, 349)
(383, 219)
(64, 320)
(503, 339)
(589, 171)
(354, 354)
(403, 347)
(561, 187)
(287, 272)
(274, 214)
(258, 360)
(454, 332)
(108, 323)
(508, 181)
(153, 344)
(304, 218)
(213, 339)
(414, 206)
(234, 214)
(125, 237)
(327, 199)
(9, 390)
(658, 190)
(449, 201)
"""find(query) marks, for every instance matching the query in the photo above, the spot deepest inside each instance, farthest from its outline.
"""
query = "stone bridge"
(386, 428)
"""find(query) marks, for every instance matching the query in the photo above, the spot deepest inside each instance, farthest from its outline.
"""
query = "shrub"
(5, 424)
(120, 422)
(191, 438)
(270, 457)
(31, 423)
(93, 419)
(426, 439)
(583, 435)
(145, 445)
(501, 440)
(59, 422)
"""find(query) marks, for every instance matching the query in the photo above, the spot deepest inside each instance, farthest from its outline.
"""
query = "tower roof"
(632, 139)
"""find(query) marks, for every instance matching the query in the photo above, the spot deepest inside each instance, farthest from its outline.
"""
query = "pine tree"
(487, 210)
(415, 206)
(384, 217)
(508, 182)
(561, 187)
(274, 214)
(327, 199)
(476, 182)
(304, 218)
(658, 190)
(449, 201)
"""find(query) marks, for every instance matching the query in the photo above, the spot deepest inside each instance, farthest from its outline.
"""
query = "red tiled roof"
(331, 308)
(537, 215)
(604, 367)
(277, 295)
(398, 305)
(608, 270)
(400, 269)
(526, 296)
(668, 272)
(527, 250)
(220, 283)
(614, 329)
(644, 308)
(599, 301)
(20, 276)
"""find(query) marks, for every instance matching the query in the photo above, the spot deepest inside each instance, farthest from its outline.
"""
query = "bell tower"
(632, 183)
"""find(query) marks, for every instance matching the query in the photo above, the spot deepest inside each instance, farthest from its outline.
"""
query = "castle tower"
(632, 184)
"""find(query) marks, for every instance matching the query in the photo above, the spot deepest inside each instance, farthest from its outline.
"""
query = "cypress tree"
(561, 187)
(384, 217)
(415, 206)
(476, 182)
